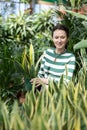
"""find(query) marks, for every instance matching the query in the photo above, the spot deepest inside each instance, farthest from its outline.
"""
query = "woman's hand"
(39, 81)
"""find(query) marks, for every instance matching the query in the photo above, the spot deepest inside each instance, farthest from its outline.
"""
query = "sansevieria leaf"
(72, 3)
(40, 104)
(5, 114)
(24, 57)
(77, 123)
(28, 106)
(31, 54)
(16, 122)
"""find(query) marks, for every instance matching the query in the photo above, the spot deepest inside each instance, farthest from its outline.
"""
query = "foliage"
(22, 40)
(75, 3)
(28, 63)
(18, 31)
(81, 44)
(26, 1)
(59, 107)
(15, 75)
(16, 35)
(81, 47)
(25, 29)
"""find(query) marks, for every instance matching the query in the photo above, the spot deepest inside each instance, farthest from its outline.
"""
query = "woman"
(57, 61)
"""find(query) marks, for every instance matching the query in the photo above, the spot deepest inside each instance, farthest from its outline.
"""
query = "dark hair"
(61, 27)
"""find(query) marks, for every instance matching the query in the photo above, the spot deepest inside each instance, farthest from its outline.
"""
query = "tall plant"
(59, 107)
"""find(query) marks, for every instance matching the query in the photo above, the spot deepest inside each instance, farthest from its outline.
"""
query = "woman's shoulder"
(51, 50)
(71, 54)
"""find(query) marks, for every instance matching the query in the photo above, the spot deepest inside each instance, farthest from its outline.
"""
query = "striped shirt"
(54, 69)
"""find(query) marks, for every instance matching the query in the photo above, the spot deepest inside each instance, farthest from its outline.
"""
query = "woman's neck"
(60, 51)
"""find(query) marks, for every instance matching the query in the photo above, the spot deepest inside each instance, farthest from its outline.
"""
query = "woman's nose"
(59, 40)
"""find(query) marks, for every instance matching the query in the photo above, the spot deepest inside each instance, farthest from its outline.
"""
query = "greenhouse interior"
(43, 64)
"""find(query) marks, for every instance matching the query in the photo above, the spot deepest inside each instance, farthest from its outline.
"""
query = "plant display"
(16, 35)
(15, 75)
(22, 40)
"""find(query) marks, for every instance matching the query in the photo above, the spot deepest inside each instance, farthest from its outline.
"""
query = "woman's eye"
(62, 37)
(56, 37)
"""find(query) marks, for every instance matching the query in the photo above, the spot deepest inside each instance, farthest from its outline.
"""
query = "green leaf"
(5, 114)
(16, 122)
(80, 45)
(81, 16)
(31, 54)
(28, 106)
(40, 104)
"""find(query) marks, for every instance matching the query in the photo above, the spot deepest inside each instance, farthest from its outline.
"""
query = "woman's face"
(60, 39)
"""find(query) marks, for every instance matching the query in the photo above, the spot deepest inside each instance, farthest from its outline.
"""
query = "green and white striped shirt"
(51, 69)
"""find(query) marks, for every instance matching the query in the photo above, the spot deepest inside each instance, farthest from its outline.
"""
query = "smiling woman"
(57, 61)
